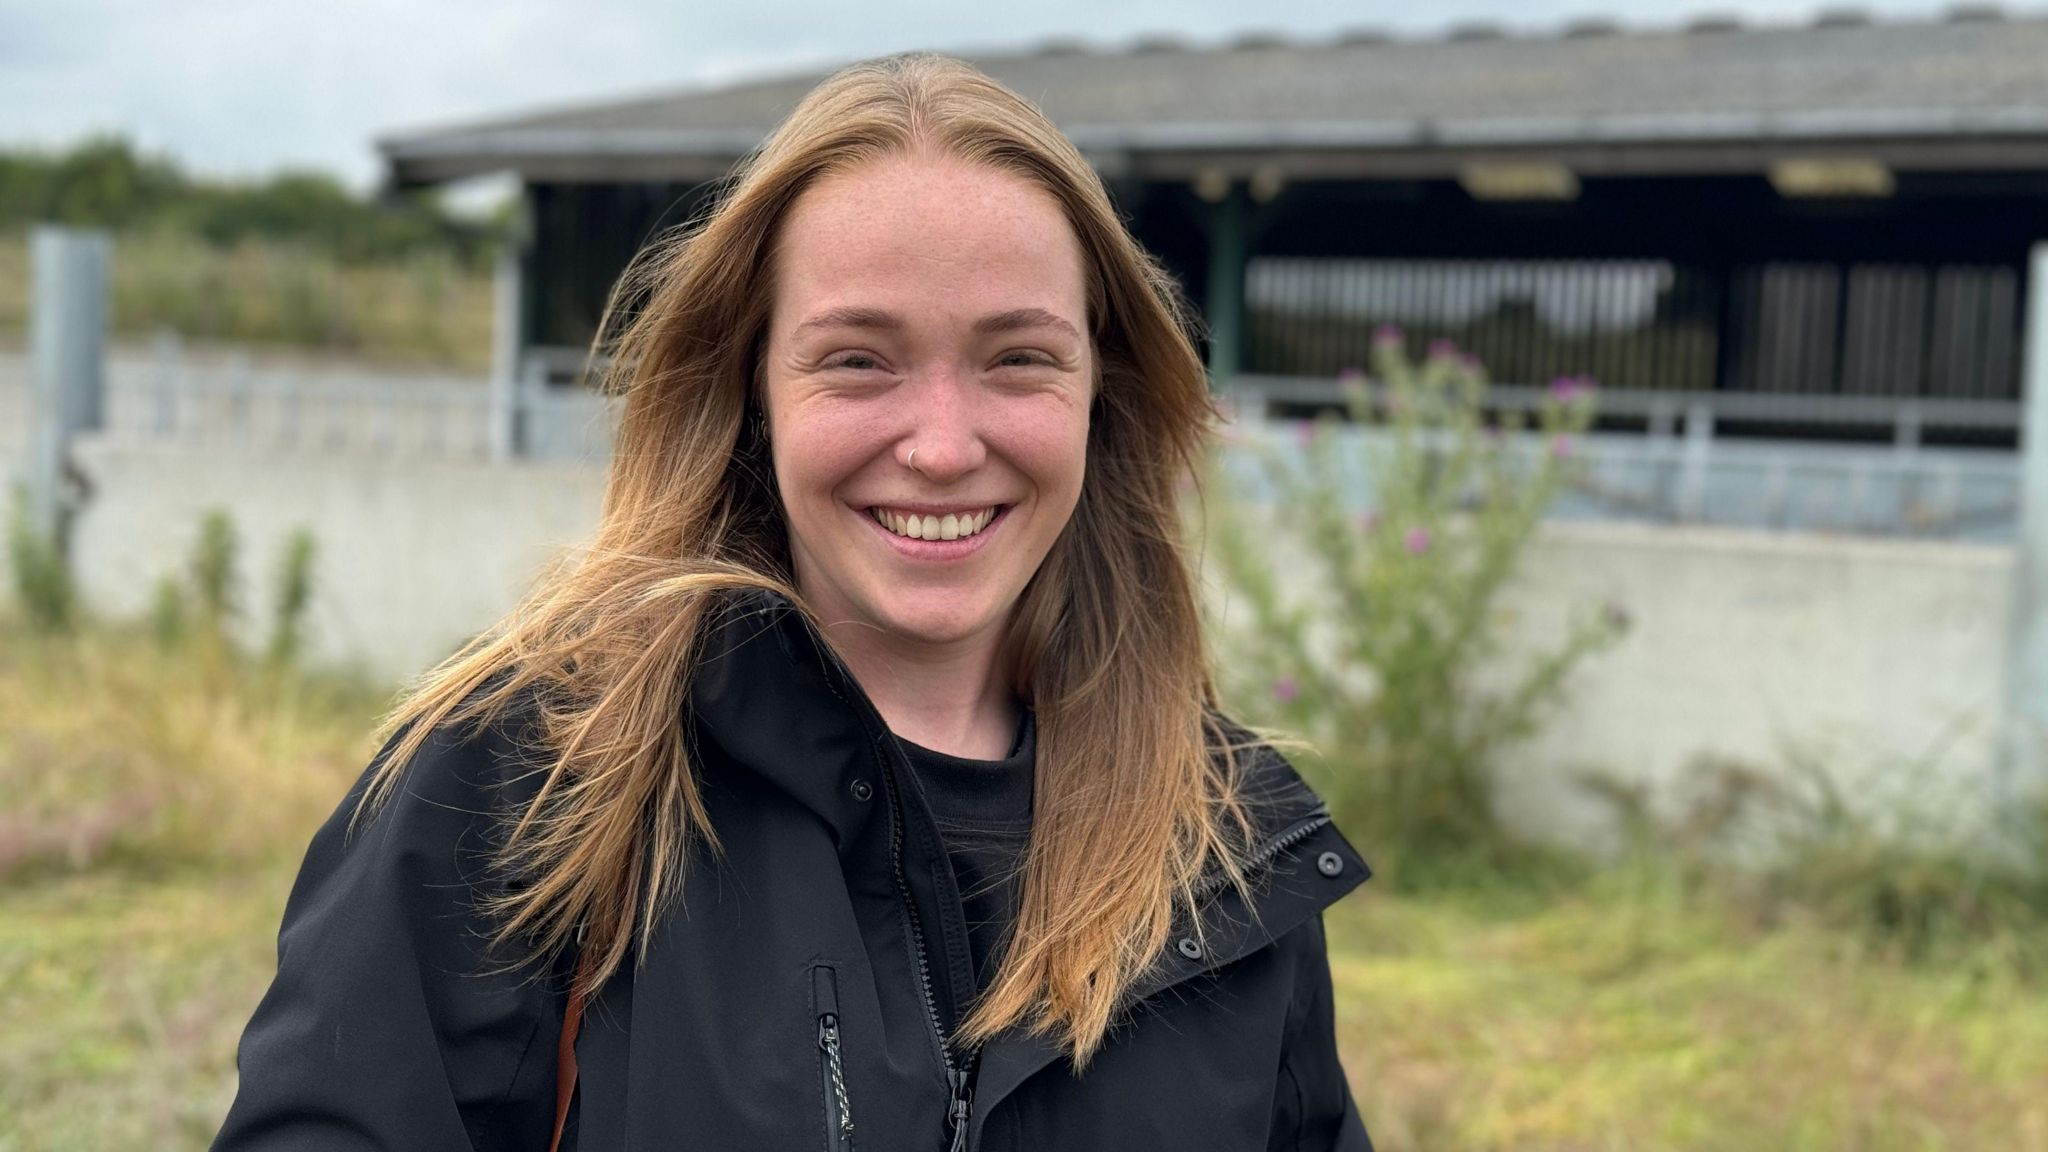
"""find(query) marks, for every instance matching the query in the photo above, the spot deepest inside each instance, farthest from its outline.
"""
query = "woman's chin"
(940, 624)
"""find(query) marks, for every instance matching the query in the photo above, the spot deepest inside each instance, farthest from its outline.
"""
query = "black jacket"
(831, 921)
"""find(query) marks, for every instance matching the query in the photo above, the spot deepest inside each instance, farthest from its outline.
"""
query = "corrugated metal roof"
(1973, 78)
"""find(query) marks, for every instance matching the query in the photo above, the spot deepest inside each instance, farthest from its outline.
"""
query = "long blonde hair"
(1133, 808)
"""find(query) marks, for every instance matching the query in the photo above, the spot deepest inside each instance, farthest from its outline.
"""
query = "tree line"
(105, 182)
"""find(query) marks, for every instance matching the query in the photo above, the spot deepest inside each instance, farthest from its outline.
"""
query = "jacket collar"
(1296, 873)
(778, 700)
(776, 697)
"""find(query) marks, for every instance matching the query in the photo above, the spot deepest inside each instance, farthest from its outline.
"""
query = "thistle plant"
(43, 584)
(1361, 600)
(294, 596)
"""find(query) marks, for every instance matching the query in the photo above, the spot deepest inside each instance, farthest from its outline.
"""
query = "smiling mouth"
(937, 526)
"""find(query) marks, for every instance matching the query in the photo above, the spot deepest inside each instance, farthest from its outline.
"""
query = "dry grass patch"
(115, 750)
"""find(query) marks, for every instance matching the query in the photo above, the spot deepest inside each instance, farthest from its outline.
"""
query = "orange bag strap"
(565, 1054)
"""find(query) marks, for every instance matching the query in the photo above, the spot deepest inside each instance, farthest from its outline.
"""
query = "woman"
(862, 786)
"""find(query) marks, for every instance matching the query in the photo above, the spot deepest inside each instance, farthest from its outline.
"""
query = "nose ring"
(912, 460)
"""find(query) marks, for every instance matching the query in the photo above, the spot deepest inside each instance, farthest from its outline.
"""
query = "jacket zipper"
(831, 1072)
(959, 1097)
(1269, 848)
(959, 1101)
(1282, 841)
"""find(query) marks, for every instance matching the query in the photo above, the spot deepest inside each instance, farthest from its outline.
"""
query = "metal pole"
(507, 298)
(1696, 461)
(67, 351)
(2026, 725)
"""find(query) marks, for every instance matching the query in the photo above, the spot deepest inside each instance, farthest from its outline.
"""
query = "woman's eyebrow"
(1017, 319)
(851, 317)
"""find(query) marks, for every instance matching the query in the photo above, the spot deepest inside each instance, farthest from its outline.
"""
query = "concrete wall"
(1743, 643)
(1882, 662)
(413, 556)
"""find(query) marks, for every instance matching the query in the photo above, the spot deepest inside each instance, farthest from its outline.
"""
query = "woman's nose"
(944, 438)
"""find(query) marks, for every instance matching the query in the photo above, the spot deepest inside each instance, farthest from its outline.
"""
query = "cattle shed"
(1812, 232)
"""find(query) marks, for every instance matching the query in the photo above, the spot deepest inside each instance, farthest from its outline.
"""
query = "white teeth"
(952, 526)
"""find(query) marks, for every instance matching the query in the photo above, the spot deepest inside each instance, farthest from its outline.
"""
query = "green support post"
(1223, 310)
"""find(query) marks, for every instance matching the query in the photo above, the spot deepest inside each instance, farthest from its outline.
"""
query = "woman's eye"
(1021, 360)
(860, 361)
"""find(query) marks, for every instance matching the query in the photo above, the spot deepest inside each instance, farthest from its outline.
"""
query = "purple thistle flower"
(1286, 690)
(1388, 336)
(1560, 447)
(1564, 389)
(1350, 375)
(1442, 349)
(1417, 541)
(1304, 432)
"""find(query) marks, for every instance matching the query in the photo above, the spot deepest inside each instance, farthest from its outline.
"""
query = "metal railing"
(1673, 412)
(1682, 471)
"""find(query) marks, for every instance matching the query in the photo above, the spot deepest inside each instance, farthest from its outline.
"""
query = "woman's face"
(928, 306)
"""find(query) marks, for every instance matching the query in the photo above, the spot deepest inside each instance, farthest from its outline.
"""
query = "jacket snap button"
(1329, 863)
(1189, 948)
(863, 791)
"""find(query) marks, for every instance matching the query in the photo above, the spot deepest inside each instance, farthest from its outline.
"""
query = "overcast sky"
(245, 87)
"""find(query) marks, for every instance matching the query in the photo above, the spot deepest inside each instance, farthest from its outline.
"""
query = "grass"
(152, 806)
(1619, 1012)
(126, 992)
(1588, 1022)
(425, 310)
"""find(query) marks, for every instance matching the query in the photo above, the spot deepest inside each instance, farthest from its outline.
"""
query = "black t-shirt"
(983, 810)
